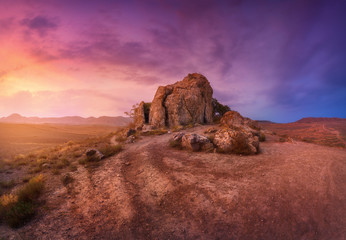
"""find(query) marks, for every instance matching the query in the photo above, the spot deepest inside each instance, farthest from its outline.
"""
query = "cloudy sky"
(267, 59)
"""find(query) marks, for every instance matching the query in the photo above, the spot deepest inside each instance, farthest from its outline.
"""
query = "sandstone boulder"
(233, 119)
(196, 142)
(182, 103)
(239, 141)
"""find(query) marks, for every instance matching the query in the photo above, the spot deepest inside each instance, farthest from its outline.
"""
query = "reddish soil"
(151, 191)
(323, 131)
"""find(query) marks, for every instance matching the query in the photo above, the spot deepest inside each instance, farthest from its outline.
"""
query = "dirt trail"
(150, 191)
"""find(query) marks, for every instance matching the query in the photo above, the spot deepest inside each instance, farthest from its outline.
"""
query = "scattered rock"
(46, 165)
(130, 139)
(94, 154)
(195, 142)
(187, 101)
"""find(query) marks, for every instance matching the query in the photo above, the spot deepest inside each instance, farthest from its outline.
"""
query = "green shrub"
(16, 209)
(15, 212)
(32, 190)
(219, 110)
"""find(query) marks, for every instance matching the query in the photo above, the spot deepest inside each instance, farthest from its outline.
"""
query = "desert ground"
(23, 138)
(291, 190)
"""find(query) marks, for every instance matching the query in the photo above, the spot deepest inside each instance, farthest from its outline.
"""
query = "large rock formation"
(185, 102)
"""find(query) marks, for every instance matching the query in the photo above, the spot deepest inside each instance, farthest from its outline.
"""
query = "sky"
(268, 59)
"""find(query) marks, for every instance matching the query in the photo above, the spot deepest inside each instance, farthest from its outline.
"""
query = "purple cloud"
(40, 24)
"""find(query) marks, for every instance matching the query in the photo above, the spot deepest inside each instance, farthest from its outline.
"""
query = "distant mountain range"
(72, 120)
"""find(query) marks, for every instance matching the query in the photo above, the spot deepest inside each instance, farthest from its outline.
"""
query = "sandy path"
(150, 191)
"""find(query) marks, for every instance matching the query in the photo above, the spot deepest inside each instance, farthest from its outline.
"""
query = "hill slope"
(289, 191)
(323, 131)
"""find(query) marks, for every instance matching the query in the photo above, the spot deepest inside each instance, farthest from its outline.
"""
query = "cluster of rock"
(193, 142)
(185, 102)
(237, 135)
(190, 102)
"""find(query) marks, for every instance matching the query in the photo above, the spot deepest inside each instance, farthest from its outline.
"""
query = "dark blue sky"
(275, 60)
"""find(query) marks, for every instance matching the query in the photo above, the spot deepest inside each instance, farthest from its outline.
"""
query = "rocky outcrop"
(139, 116)
(233, 119)
(185, 102)
(193, 142)
(238, 141)
(239, 135)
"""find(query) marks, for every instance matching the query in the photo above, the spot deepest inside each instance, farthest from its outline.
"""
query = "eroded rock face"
(185, 102)
(238, 141)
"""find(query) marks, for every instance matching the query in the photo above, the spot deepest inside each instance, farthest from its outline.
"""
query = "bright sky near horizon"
(272, 60)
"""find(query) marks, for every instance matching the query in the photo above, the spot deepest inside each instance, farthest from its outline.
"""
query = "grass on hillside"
(16, 209)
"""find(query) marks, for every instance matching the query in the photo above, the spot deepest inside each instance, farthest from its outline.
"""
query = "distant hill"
(71, 120)
(320, 119)
(323, 131)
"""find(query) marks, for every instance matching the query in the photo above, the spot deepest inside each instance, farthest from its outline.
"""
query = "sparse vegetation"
(110, 150)
(262, 137)
(175, 144)
(16, 209)
(155, 132)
